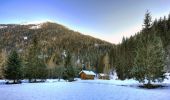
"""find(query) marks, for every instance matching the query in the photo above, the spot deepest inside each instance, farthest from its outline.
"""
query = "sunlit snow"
(83, 90)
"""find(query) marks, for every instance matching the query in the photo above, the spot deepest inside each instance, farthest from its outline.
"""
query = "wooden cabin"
(85, 75)
(103, 76)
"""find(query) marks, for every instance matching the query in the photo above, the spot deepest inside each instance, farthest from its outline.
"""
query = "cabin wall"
(84, 76)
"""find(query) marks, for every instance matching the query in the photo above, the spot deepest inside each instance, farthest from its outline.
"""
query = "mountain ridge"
(53, 39)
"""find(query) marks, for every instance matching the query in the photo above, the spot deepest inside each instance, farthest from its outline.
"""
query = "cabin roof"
(87, 72)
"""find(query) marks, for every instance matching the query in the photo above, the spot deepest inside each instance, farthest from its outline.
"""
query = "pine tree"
(42, 70)
(59, 70)
(13, 70)
(3, 58)
(149, 60)
(147, 21)
(35, 67)
(69, 73)
(121, 60)
(101, 64)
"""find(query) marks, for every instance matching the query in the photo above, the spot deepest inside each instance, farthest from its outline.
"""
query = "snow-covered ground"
(38, 26)
(83, 90)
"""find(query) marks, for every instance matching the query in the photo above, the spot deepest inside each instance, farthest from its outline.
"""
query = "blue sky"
(109, 20)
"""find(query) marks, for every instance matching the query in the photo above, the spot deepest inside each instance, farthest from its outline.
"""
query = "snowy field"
(83, 90)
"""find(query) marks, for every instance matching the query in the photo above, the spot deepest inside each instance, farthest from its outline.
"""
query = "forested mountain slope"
(53, 39)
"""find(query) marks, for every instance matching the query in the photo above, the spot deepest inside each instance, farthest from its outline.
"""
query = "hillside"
(53, 39)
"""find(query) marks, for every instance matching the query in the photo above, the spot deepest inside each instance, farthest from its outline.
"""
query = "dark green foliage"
(149, 61)
(150, 56)
(13, 69)
(100, 66)
(59, 71)
(52, 39)
(35, 67)
(69, 72)
(147, 21)
(42, 70)
(156, 36)
(124, 57)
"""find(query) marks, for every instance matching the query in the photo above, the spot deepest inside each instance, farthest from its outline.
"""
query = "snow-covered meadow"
(83, 90)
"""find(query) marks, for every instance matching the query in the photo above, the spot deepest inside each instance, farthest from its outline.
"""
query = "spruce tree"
(121, 60)
(149, 60)
(69, 73)
(35, 67)
(13, 70)
(147, 21)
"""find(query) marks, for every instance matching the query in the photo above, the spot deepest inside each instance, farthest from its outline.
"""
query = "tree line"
(53, 39)
(34, 68)
(144, 55)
